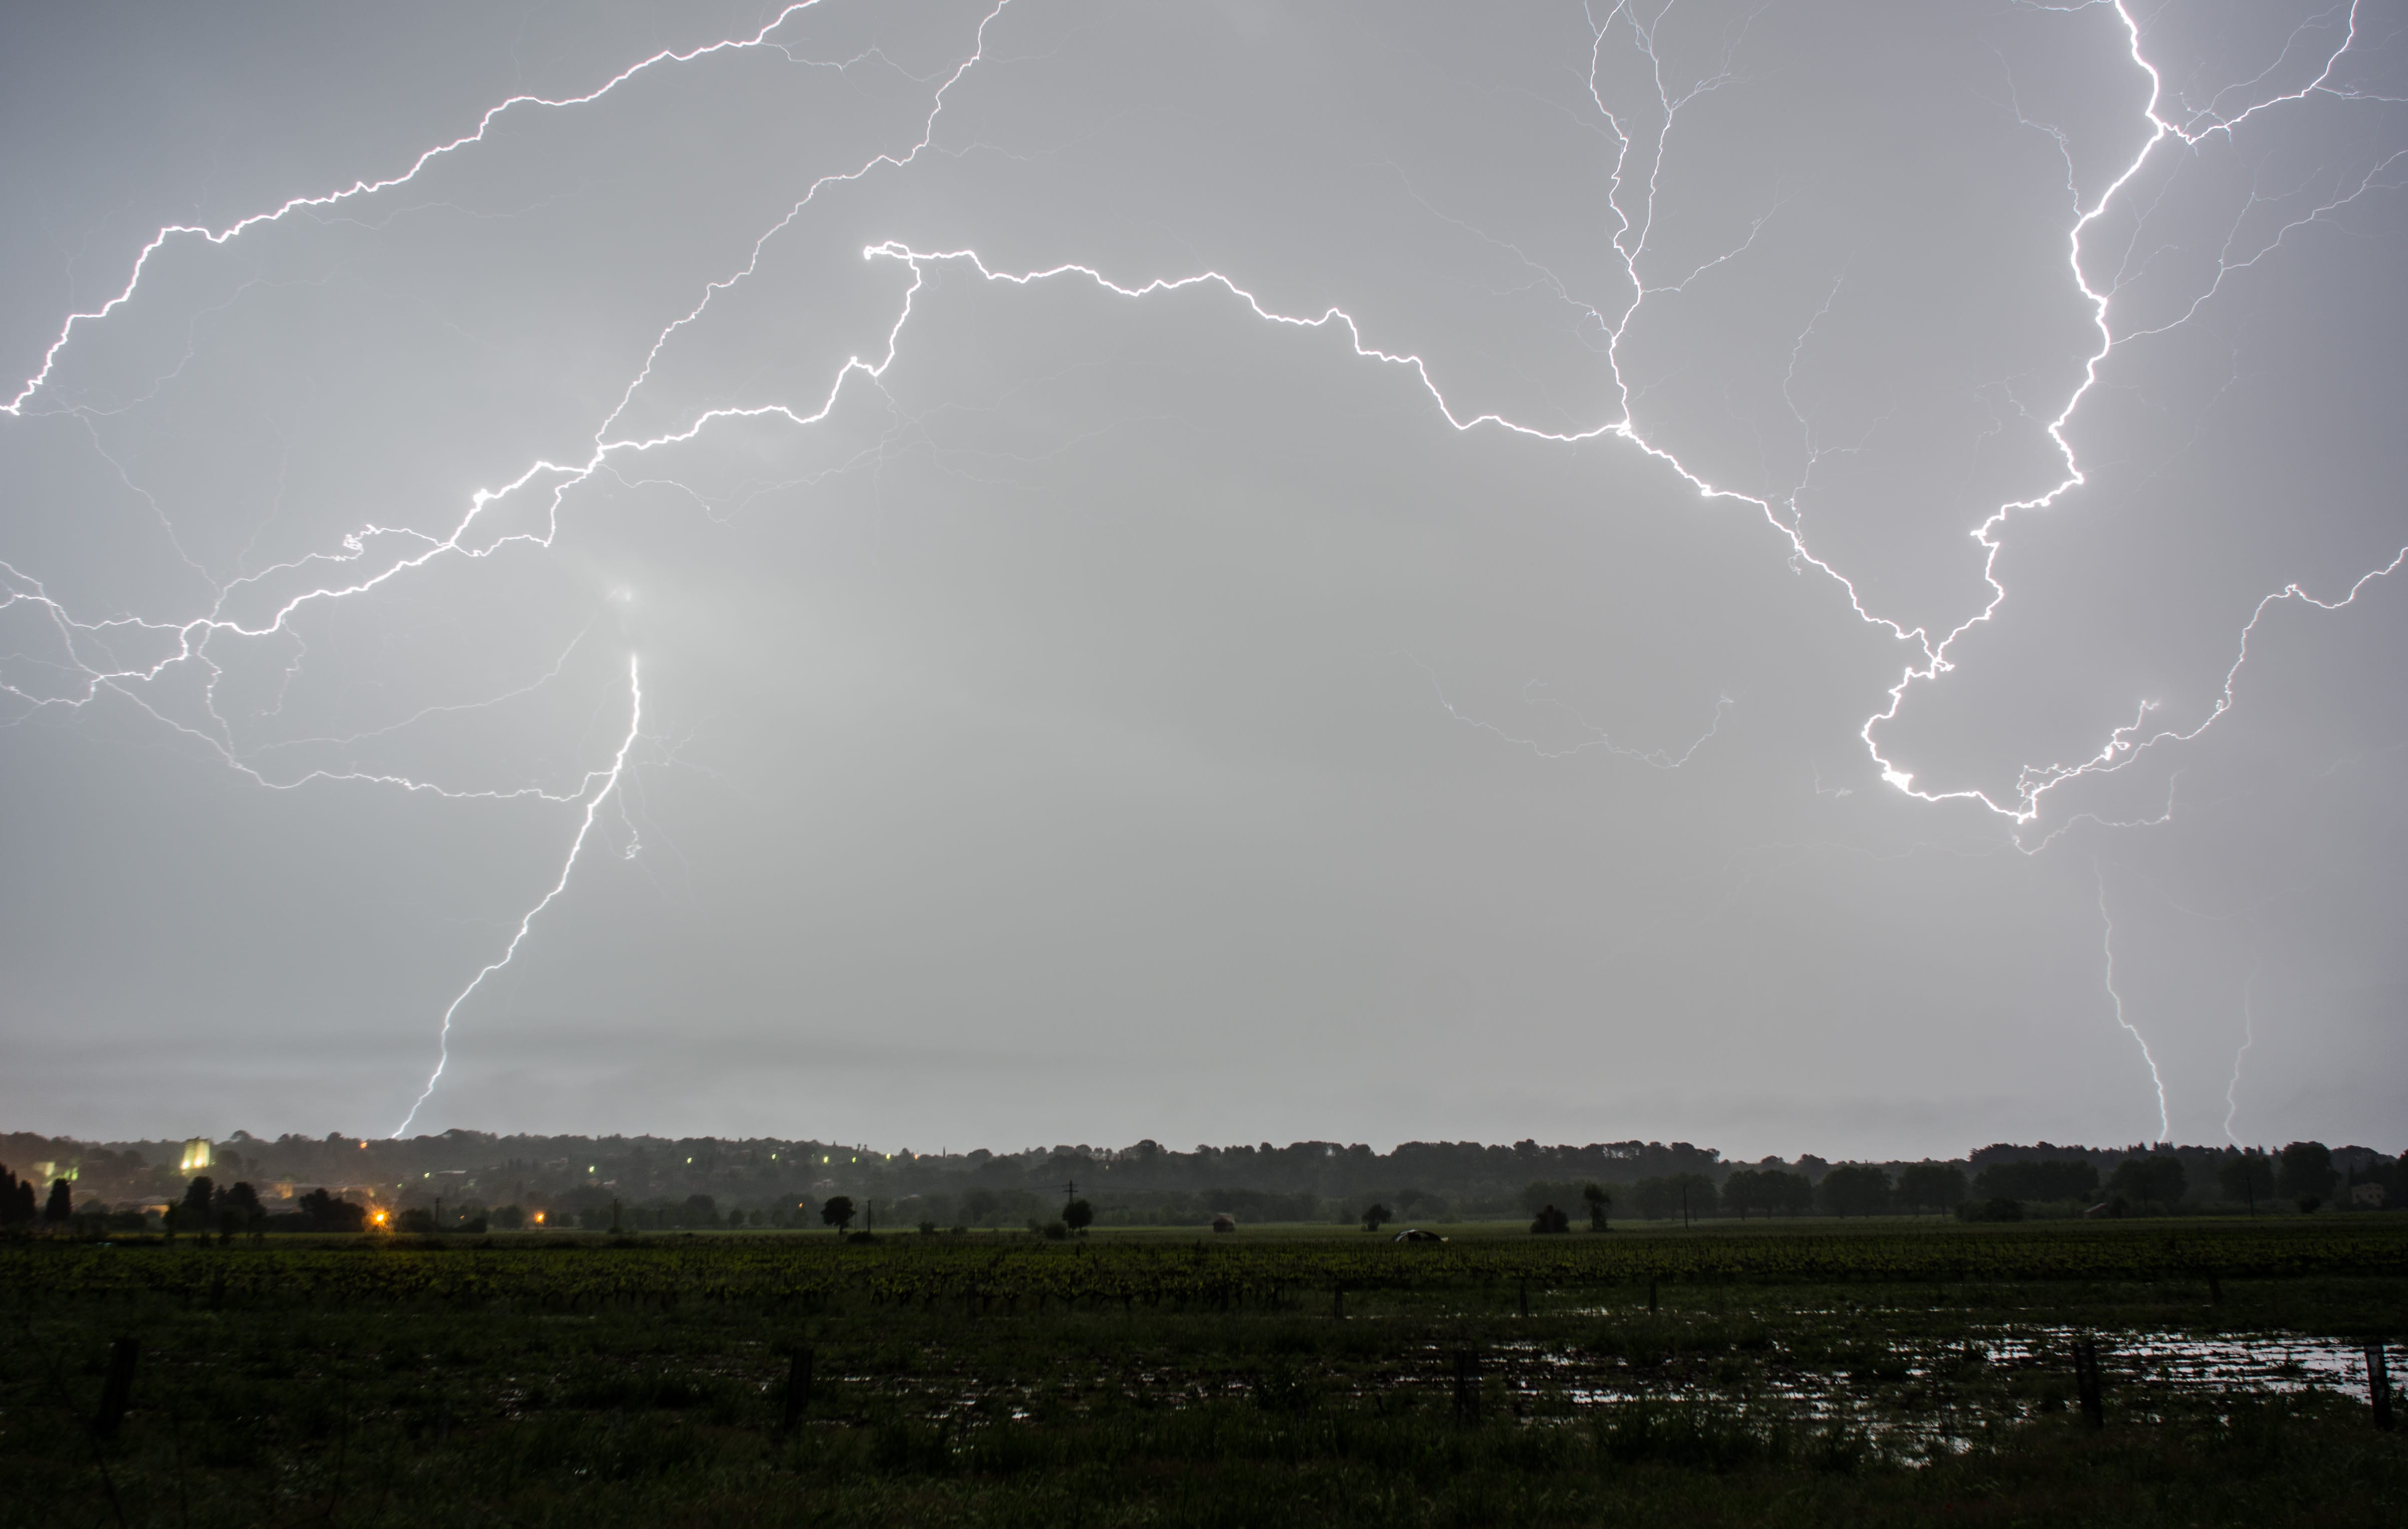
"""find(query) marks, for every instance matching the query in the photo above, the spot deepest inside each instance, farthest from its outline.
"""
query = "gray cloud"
(1080, 710)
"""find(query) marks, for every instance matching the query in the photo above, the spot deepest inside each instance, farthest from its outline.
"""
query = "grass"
(552, 1382)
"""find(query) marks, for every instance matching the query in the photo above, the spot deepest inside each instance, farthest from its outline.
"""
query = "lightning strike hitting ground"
(2248, 1039)
(576, 847)
(2107, 950)
(1630, 199)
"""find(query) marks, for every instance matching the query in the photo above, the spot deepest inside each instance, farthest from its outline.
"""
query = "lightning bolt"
(191, 638)
(2248, 1039)
(1599, 737)
(2107, 949)
(576, 847)
(2123, 745)
(374, 555)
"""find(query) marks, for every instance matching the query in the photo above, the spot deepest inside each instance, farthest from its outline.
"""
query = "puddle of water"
(1911, 1401)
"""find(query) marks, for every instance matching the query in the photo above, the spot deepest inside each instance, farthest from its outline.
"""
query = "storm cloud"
(1801, 576)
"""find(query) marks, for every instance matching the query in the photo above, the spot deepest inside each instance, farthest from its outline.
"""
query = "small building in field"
(1224, 1222)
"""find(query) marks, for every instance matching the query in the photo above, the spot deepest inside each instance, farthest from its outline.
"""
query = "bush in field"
(1078, 1216)
(1377, 1217)
(838, 1212)
(1551, 1220)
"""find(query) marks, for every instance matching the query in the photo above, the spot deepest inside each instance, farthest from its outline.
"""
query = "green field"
(1875, 1372)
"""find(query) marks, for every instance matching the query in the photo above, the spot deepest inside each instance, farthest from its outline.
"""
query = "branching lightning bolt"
(1639, 163)
(576, 847)
(191, 638)
(1599, 738)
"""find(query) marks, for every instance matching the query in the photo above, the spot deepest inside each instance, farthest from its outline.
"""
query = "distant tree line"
(461, 1181)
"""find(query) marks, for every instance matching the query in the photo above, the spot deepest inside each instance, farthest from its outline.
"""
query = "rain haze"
(1798, 577)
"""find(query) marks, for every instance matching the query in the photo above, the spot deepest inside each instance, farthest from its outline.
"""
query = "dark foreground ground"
(1889, 1374)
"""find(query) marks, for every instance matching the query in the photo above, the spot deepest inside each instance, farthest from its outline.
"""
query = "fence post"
(2085, 1381)
(2378, 1383)
(1467, 1385)
(1651, 1293)
(798, 1386)
(117, 1387)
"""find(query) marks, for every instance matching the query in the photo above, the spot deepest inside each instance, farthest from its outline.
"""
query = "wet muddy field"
(600, 1385)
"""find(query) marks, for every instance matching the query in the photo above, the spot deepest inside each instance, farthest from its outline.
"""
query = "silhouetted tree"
(837, 1212)
(1854, 1189)
(1673, 1195)
(1551, 1220)
(1771, 1191)
(1377, 1217)
(2037, 1178)
(1937, 1186)
(16, 1199)
(2246, 1177)
(1745, 1191)
(1078, 1215)
(62, 1206)
(195, 1213)
(2307, 1173)
(2150, 1178)
(1599, 1202)
(238, 1208)
(321, 1213)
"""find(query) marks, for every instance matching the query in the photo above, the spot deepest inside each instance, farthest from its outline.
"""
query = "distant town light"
(196, 1155)
(538, 1218)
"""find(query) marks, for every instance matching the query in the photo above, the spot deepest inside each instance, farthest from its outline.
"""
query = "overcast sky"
(1324, 575)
